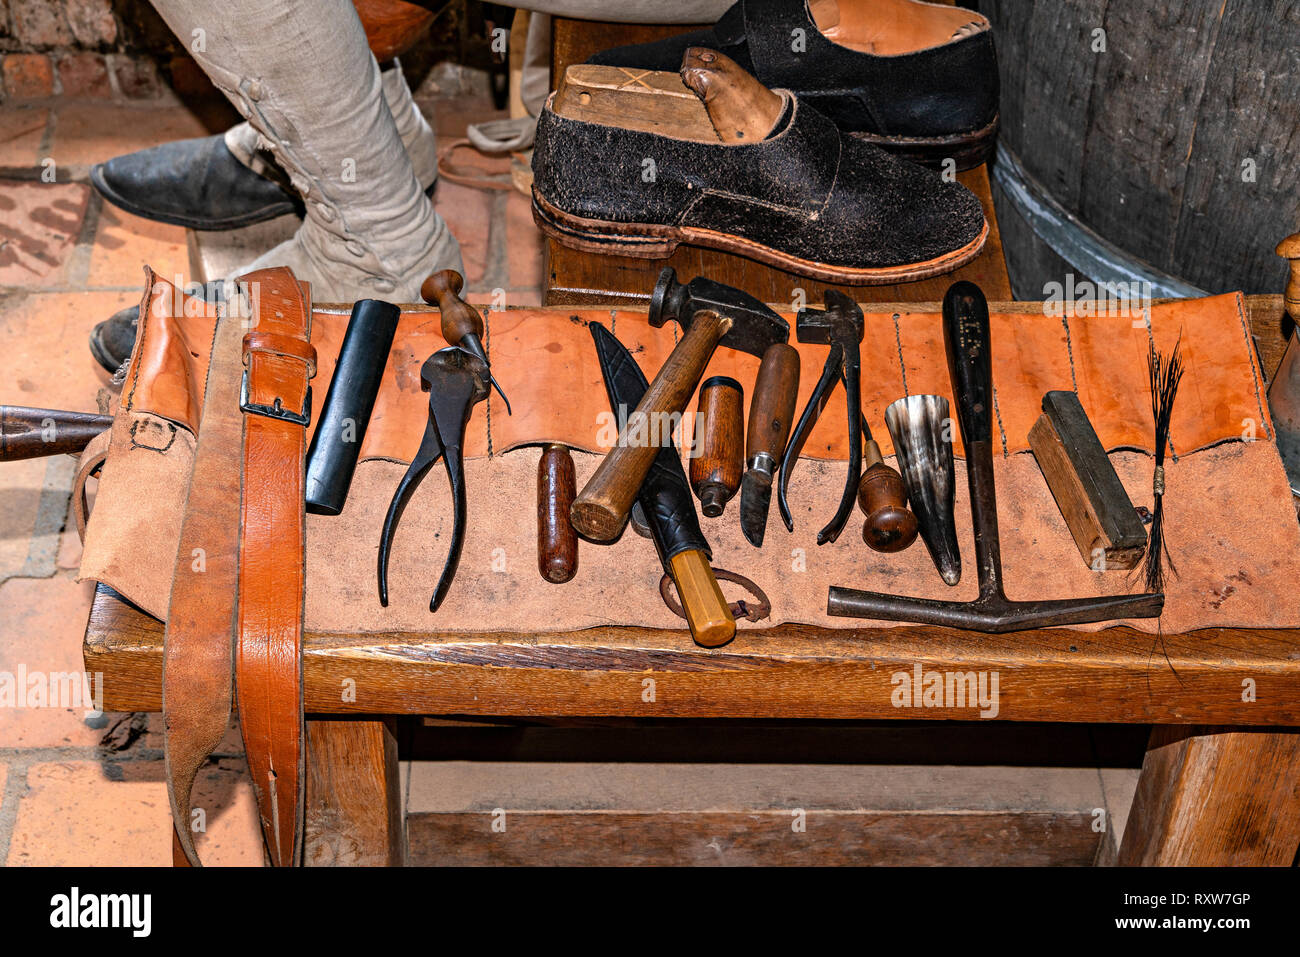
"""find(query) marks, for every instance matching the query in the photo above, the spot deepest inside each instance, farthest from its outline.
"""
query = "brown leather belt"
(276, 400)
(253, 610)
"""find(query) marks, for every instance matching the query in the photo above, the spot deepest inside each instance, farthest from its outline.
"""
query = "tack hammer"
(966, 341)
(713, 315)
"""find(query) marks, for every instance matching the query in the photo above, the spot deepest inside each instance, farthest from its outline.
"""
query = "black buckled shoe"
(918, 79)
(806, 198)
(194, 183)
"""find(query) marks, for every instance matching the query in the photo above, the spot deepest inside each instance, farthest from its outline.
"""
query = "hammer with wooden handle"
(713, 315)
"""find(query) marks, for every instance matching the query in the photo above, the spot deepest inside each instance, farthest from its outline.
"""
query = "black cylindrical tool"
(335, 447)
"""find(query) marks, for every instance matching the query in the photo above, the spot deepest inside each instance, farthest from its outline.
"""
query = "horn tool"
(966, 340)
(921, 428)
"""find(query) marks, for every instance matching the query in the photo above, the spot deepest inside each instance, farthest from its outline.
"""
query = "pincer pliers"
(456, 380)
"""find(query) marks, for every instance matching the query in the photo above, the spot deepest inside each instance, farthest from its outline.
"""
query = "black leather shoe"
(937, 99)
(808, 198)
(112, 340)
(194, 183)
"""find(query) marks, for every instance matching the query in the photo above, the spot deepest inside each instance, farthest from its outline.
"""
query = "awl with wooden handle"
(771, 413)
(557, 542)
(718, 449)
(461, 323)
(889, 525)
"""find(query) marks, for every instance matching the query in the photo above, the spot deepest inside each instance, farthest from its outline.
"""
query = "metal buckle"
(276, 411)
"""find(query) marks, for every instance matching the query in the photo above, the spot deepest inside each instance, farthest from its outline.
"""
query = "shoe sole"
(654, 241)
(968, 150)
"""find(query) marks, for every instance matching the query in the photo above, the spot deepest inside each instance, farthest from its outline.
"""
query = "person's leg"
(417, 136)
(302, 74)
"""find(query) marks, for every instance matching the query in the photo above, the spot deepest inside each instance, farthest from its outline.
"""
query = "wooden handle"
(459, 318)
(1289, 249)
(718, 453)
(557, 542)
(707, 614)
(771, 408)
(31, 433)
(600, 510)
(890, 525)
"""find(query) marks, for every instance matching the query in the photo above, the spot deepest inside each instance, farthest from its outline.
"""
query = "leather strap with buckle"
(276, 401)
(237, 587)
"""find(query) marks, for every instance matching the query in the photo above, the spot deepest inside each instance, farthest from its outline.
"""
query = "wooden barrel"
(1166, 127)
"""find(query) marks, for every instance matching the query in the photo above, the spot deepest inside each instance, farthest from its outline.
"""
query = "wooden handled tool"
(890, 526)
(771, 414)
(461, 323)
(707, 613)
(665, 500)
(718, 456)
(557, 542)
(712, 314)
(32, 433)
(600, 510)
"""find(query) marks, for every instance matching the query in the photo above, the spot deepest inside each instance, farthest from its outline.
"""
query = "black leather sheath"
(665, 495)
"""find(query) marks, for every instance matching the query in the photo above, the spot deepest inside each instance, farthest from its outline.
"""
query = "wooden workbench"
(1218, 785)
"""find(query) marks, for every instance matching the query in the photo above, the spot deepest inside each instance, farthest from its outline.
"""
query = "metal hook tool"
(457, 380)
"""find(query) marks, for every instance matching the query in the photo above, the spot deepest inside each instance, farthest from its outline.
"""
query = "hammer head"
(841, 321)
(754, 326)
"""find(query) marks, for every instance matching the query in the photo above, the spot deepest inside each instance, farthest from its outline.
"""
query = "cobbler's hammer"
(966, 340)
(713, 315)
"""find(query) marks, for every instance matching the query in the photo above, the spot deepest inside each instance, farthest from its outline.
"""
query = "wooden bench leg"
(1214, 796)
(354, 801)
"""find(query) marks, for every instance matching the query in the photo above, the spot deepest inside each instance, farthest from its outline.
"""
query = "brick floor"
(85, 789)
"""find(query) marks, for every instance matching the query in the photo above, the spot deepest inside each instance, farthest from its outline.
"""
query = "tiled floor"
(85, 788)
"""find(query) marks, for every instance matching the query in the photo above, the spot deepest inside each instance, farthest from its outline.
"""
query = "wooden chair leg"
(1214, 796)
(354, 801)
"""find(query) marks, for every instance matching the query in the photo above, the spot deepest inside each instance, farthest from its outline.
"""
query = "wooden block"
(1091, 497)
(645, 100)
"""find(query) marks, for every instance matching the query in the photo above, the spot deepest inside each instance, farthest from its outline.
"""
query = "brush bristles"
(1165, 376)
